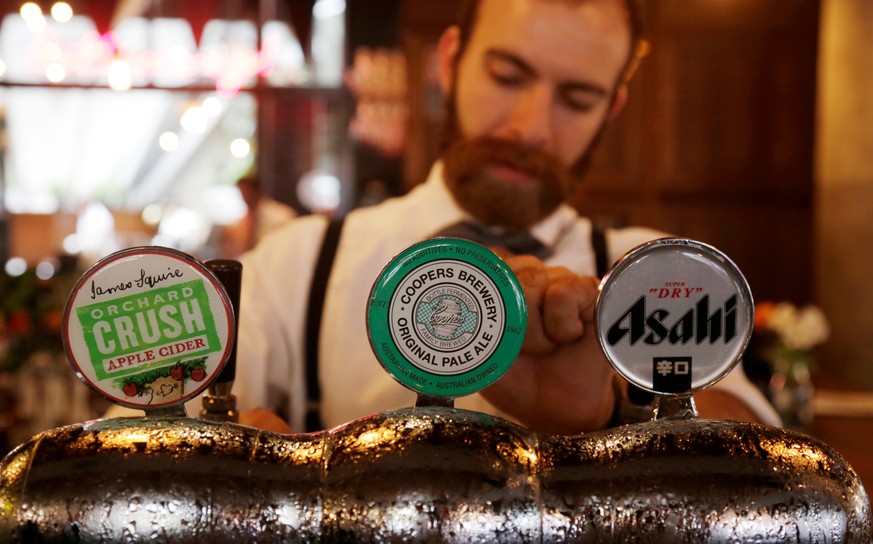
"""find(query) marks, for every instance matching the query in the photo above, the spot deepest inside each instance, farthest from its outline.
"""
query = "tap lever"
(229, 273)
(423, 400)
(219, 404)
(674, 407)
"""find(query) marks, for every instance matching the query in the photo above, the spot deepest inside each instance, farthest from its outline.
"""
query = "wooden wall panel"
(717, 143)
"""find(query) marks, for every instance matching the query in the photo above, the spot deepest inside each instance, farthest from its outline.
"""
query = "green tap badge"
(148, 327)
(446, 317)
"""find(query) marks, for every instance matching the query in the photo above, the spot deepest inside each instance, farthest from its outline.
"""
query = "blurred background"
(132, 122)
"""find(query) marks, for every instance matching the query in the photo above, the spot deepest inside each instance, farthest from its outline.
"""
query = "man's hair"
(466, 23)
(470, 8)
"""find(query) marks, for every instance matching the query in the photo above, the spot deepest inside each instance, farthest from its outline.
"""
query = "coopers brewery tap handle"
(446, 318)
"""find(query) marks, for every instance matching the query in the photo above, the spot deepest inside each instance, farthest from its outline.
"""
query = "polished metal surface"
(219, 404)
(428, 474)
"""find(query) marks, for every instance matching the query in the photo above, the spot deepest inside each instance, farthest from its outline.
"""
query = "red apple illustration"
(197, 374)
(130, 389)
(177, 372)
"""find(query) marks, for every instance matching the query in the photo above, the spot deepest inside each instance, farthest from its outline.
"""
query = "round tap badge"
(148, 327)
(674, 316)
(446, 317)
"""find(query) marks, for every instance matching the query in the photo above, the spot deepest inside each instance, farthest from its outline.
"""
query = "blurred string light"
(319, 191)
(182, 228)
(45, 270)
(223, 204)
(33, 17)
(231, 64)
(119, 75)
(212, 106)
(152, 214)
(71, 244)
(168, 141)
(194, 120)
(16, 266)
(62, 12)
(240, 148)
(55, 72)
(30, 10)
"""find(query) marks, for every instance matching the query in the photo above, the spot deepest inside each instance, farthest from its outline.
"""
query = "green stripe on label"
(131, 334)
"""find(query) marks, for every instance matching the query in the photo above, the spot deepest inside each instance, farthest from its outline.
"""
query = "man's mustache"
(535, 161)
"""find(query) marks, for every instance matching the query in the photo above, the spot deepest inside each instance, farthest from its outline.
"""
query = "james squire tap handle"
(219, 403)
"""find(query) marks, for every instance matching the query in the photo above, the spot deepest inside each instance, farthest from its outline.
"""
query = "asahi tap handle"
(673, 317)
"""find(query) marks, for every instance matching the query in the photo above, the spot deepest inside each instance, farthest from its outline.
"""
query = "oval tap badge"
(674, 316)
(148, 327)
(446, 317)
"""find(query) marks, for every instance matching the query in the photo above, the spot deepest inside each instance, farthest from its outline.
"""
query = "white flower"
(800, 329)
(782, 318)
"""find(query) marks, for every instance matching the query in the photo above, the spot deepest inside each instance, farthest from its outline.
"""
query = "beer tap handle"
(673, 317)
(219, 403)
(435, 334)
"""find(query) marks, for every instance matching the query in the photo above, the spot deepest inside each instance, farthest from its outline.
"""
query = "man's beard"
(497, 202)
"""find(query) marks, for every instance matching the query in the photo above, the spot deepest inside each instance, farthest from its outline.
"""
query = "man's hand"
(717, 404)
(265, 420)
(561, 382)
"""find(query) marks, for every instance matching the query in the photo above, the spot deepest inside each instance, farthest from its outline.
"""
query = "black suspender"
(315, 307)
(601, 255)
(635, 395)
(314, 310)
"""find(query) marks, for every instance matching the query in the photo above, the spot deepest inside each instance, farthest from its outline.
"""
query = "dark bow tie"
(519, 243)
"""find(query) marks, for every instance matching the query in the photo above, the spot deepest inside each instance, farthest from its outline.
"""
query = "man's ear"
(447, 50)
(618, 102)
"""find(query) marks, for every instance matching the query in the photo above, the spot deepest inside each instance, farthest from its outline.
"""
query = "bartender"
(531, 85)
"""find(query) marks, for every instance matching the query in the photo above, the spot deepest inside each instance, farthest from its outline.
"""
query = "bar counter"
(844, 420)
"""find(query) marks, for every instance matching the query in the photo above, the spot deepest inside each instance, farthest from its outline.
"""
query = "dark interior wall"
(374, 24)
(717, 141)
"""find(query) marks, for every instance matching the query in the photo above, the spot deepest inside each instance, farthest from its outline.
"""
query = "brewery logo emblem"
(148, 327)
(448, 325)
(446, 317)
(674, 316)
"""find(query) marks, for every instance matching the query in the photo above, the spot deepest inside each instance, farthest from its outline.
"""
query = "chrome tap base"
(428, 474)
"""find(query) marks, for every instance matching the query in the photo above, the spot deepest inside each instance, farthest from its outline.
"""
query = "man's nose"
(529, 121)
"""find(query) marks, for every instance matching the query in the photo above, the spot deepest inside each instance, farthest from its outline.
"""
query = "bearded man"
(530, 87)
